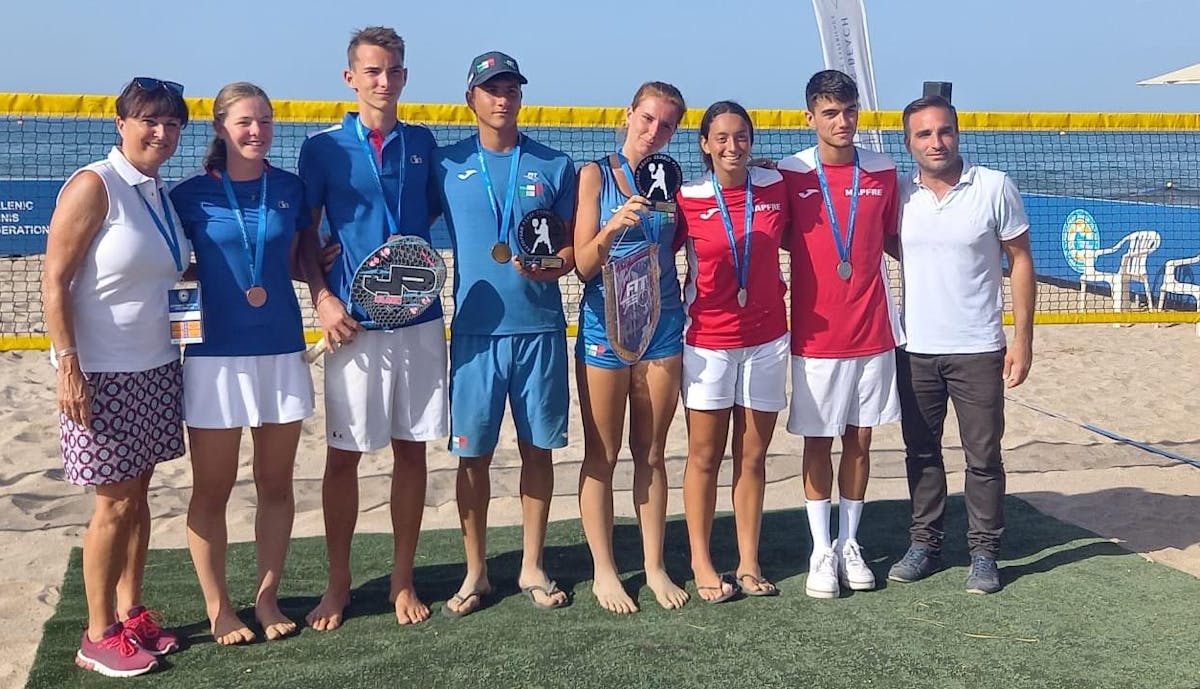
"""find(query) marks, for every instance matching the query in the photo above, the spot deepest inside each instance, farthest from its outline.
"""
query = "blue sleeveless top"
(611, 200)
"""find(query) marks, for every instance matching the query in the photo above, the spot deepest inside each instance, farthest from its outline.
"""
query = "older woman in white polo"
(115, 248)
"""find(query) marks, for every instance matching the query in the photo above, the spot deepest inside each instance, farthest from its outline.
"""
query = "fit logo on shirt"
(466, 174)
(532, 176)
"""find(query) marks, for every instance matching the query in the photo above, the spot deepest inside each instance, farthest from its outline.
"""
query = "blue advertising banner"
(1143, 246)
(25, 209)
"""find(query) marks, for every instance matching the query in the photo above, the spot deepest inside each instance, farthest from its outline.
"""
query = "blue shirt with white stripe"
(340, 180)
(232, 327)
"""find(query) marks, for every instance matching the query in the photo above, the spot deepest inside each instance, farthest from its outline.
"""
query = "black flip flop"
(725, 578)
(760, 582)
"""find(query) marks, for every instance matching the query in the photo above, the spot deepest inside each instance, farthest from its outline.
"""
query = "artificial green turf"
(1076, 611)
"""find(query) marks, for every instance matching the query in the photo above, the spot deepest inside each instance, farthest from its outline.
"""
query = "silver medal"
(844, 270)
(742, 296)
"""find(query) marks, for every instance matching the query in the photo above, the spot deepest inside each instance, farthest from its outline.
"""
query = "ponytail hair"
(229, 94)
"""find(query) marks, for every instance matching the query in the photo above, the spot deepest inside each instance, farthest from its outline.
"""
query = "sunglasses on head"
(152, 84)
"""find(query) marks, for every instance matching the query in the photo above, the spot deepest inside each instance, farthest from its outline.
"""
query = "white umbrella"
(1187, 75)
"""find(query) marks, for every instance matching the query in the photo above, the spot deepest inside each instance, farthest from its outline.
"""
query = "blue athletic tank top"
(611, 200)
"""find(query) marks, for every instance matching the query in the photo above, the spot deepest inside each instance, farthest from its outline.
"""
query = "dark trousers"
(973, 382)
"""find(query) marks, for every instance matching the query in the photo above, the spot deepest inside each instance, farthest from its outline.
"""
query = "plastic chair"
(1173, 285)
(1138, 246)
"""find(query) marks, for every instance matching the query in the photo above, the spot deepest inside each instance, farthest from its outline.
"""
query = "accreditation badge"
(184, 312)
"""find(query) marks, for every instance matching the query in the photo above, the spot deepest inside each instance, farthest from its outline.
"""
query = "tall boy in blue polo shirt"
(370, 177)
(508, 337)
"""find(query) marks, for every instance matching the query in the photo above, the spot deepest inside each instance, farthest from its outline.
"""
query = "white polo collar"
(967, 176)
(126, 170)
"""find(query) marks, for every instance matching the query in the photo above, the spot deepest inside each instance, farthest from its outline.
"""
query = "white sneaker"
(822, 579)
(853, 572)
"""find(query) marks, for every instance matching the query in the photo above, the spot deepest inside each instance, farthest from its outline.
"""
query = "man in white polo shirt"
(957, 220)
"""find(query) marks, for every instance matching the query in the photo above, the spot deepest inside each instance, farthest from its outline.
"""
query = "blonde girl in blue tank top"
(608, 223)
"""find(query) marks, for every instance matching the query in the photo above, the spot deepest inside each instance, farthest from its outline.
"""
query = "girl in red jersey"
(732, 222)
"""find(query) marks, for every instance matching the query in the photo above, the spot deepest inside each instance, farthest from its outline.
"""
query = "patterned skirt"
(137, 422)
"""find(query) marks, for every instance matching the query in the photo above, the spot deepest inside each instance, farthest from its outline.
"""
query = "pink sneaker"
(144, 623)
(116, 654)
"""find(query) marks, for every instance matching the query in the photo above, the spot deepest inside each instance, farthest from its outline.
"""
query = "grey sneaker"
(984, 576)
(919, 562)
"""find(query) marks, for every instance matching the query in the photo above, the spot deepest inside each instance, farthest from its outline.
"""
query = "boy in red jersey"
(843, 204)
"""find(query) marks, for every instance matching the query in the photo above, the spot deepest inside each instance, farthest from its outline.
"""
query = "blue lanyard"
(843, 250)
(171, 238)
(633, 187)
(504, 216)
(256, 257)
(392, 219)
(742, 268)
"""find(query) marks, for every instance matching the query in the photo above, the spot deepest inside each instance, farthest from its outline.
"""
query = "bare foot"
(327, 616)
(665, 591)
(228, 629)
(409, 608)
(275, 624)
(537, 583)
(611, 595)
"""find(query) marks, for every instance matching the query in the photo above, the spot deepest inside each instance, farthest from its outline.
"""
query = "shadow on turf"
(783, 554)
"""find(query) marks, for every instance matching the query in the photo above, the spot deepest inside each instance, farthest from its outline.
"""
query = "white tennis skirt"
(240, 391)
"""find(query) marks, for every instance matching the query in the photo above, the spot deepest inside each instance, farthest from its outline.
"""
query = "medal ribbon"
(393, 220)
(255, 258)
(169, 236)
(503, 216)
(843, 250)
(742, 267)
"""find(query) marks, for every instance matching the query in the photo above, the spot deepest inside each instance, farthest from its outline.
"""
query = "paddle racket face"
(397, 282)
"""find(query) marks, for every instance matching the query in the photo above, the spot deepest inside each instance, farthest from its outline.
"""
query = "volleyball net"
(1113, 199)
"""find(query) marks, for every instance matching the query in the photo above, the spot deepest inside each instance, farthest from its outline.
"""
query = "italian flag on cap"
(490, 62)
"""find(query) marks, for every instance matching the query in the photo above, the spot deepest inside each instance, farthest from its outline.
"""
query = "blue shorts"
(592, 343)
(530, 371)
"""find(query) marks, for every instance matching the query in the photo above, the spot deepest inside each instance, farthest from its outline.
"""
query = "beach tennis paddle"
(394, 285)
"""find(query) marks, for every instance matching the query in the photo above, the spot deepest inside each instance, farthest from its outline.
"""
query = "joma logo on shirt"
(709, 213)
(466, 174)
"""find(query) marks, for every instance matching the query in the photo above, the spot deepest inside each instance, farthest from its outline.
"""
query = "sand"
(1140, 382)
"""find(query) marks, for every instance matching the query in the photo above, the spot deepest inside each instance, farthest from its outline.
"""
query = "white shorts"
(386, 385)
(830, 394)
(750, 377)
(241, 391)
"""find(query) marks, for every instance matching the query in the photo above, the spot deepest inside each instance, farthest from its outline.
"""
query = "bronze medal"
(256, 296)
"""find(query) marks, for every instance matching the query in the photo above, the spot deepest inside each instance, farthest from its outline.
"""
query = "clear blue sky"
(1010, 55)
